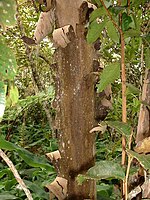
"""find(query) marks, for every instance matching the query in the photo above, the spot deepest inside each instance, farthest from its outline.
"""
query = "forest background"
(27, 91)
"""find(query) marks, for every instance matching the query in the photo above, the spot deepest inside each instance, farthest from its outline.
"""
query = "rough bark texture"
(75, 104)
(75, 114)
(76, 100)
(143, 129)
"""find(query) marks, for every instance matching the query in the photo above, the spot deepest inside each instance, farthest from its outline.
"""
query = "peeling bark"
(143, 129)
(75, 103)
(59, 188)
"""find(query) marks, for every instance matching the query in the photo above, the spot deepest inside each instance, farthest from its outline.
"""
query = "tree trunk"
(75, 103)
(143, 129)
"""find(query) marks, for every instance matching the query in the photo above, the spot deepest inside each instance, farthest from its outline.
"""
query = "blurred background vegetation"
(28, 122)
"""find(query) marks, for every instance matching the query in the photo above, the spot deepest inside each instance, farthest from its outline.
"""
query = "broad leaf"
(143, 159)
(13, 96)
(104, 191)
(33, 160)
(97, 13)
(132, 33)
(7, 63)
(39, 191)
(120, 127)
(133, 23)
(7, 145)
(112, 32)
(2, 99)
(95, 30)
(126, 20)
(107, 3)
(7, 196)
(131, 89)
(105, 170)
(109, 75)
(7, 12)
(28, 157)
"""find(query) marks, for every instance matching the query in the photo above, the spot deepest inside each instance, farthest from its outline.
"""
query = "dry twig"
(16, 174)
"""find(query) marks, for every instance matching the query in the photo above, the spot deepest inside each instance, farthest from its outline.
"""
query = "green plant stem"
(123, 77)
(124, 101)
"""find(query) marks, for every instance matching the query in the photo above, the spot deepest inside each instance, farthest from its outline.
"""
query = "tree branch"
(16, 174)
(111, 18)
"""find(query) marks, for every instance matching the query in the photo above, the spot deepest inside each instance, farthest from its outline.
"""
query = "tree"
(76, 68)
(74, 97)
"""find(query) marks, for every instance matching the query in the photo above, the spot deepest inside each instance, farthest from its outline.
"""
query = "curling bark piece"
(45, 25)
(55, 155)
(143, 129)
(58, 187)
(54, 158)
(63, 36)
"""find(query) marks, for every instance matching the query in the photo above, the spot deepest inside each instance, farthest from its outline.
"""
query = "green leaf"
(28, 157)
(37, 190)
(109, 75)
(80, 179)
(112, 32)
(143, 159)
(33, 160)
(131, 89)
(13, 96)
(6, 145)
(107, 3)
(133, 23)
(97, 13)
(8, 63)
(7, 196)
(98, 2)
(104, 190)
(2, 99)
(10, 183)
(120, 127)
(132, 33)
(4, 172)
(147, 58)
(95, 30)
(105, 170)
(126, 20)
(7, 12)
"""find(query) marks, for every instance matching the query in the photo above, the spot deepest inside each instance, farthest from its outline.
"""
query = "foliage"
(144, 160)
(20, 124)
(108, 76)
(25, 124)
(105, 25)
(134, 29)
(7, 12)
(106, 169)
